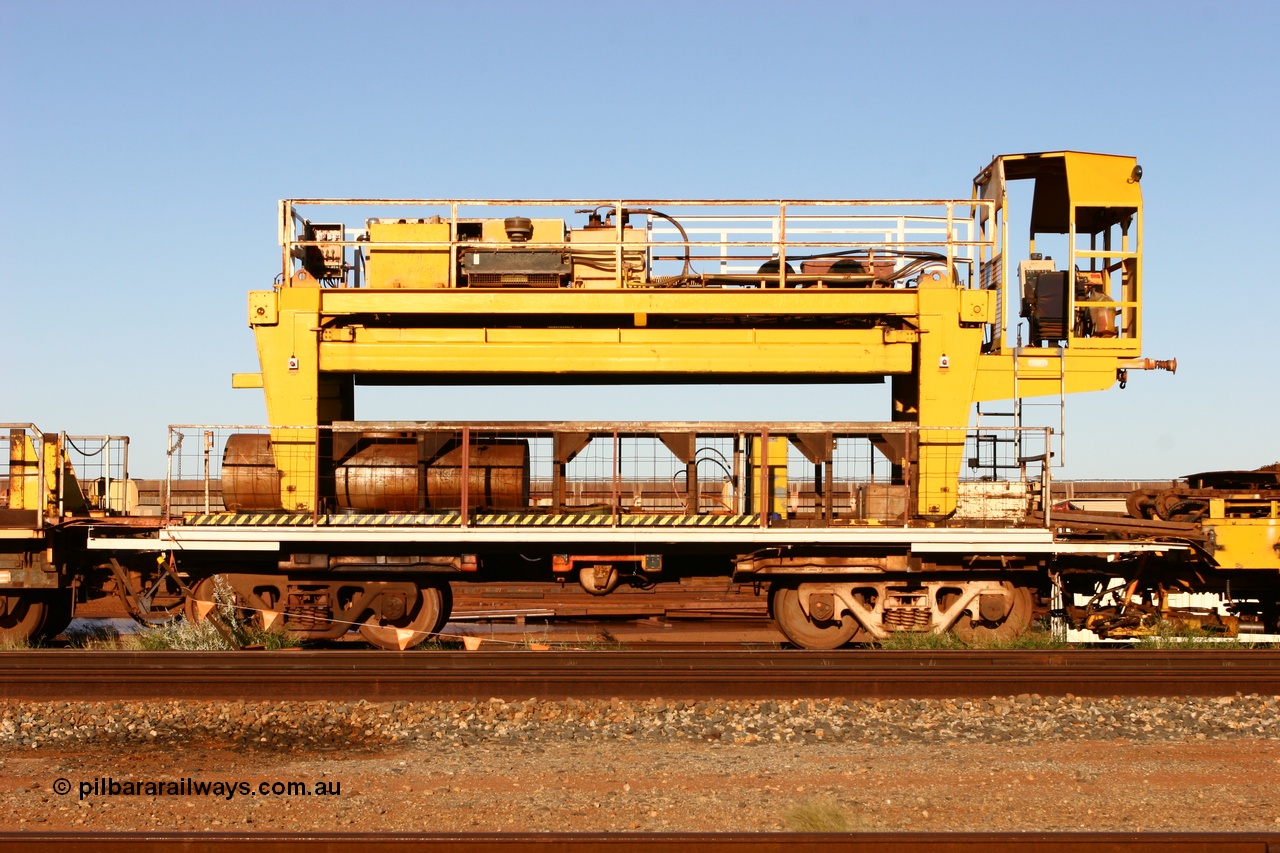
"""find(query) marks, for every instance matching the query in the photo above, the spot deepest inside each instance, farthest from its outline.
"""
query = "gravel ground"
(1021, 719)
(1025, 762)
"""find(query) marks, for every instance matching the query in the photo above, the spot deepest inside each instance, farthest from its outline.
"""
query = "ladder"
(1025, 413)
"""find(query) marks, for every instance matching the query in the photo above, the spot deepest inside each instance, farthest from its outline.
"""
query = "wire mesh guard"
(100, 464)
(49, 474)
(516, 473)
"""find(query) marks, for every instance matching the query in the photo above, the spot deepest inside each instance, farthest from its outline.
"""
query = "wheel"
(1004, 628)
(160, 613)
(426, 617)
(446, 607)
(599, 579)
(58, 610)
(162, 607)
(209, 588)
(21, 617)
(201, 591)
(803, 630)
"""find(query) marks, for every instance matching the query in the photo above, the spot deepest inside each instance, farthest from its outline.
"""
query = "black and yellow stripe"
(382, 519)
(528, 519)
(249, 519)
(454, 519)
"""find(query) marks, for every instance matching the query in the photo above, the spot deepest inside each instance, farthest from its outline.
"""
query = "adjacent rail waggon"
(941, 516)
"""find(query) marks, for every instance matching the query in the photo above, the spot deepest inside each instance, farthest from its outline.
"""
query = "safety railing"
(790, 474)
(424, 243)
(885, 245)
(101, 467)
(44, 477)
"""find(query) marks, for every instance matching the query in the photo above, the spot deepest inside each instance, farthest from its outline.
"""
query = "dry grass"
(1036, 637)
(822, 816)
(182, 635)
(17, 644)
(1172, 636)
(98, 638)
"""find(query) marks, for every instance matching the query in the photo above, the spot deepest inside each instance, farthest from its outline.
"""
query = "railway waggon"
(941, 517)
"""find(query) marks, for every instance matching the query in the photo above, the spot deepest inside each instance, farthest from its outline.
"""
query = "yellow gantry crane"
(923, 292)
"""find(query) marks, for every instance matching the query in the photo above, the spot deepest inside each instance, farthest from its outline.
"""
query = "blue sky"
(144, 145)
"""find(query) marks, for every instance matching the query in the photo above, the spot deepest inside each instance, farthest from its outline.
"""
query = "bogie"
(390, 614)
(828, 614)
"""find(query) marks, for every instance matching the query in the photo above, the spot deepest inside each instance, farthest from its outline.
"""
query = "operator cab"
(1094, 202)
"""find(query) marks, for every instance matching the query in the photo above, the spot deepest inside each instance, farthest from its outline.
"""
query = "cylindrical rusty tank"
(382, 472)
(379, 473)
(250, 478)
(498, 477)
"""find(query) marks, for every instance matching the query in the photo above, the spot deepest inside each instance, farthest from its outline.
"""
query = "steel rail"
(641, 674)
(764, 842)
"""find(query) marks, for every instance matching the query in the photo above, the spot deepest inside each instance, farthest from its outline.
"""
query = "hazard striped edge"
(450, 519)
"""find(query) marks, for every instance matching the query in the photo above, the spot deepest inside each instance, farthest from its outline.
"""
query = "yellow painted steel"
(1244, 530)
(408, 267)
(34, 481)
(25, 491)
(340, 303)
(1246, 543)
(673, 351)
(945, 344)
(773, 481)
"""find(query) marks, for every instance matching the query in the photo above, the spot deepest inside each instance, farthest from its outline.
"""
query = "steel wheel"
(446, 607)
(206, 590)
(22, 618)
(1013, 623)
(599, 584)
(202, 591)
(245, 612)
(159, 614)
(58, 610)
(803, 630)
(149, 601)
(425, 618)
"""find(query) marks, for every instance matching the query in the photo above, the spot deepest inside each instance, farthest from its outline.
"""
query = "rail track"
(674, 674)
(880, 842)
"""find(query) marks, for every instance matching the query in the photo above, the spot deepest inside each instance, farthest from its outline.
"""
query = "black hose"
(684, 235)
(83, 453)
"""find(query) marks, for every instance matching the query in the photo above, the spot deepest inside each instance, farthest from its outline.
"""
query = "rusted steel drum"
(250, 478)
(380, 474)
(498, 477)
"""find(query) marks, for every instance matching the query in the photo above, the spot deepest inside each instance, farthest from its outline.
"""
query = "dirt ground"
(1113, 785)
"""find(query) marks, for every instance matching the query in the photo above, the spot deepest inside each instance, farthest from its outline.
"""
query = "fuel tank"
(400, 471)
(392, 472)
(379, 473)
(498, 477)
(250, 478)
